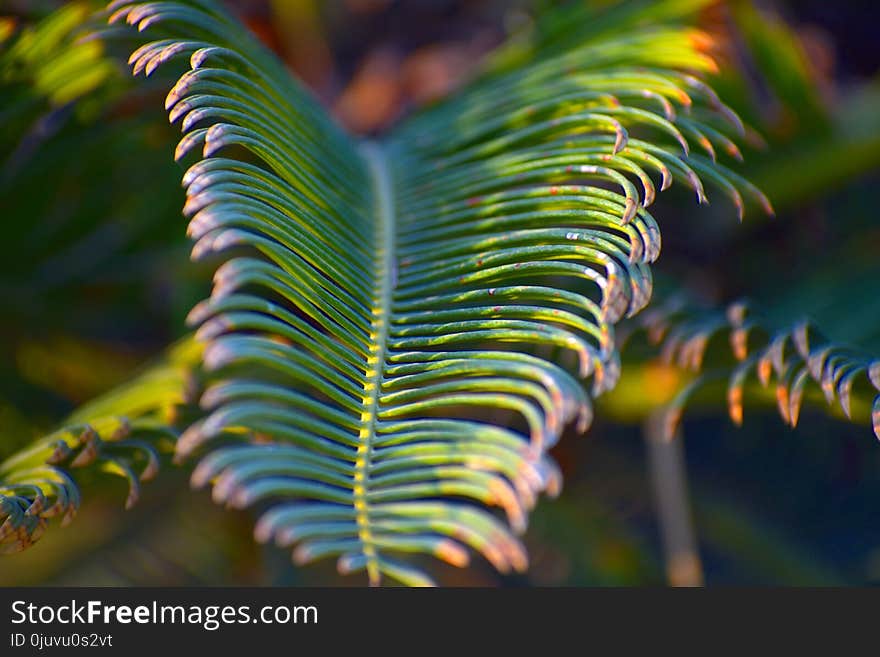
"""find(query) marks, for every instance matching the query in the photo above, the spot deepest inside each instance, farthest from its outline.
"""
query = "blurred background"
(96, 280)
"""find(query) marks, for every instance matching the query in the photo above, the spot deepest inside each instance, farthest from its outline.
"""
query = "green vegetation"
(399, 328)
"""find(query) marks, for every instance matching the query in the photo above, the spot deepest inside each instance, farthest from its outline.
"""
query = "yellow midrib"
(381, 310)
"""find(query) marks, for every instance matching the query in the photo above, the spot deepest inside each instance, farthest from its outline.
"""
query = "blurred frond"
(571, 24)
(122, 433)
(819, 132)
(793, 360)
(44, 69)
(92, 226)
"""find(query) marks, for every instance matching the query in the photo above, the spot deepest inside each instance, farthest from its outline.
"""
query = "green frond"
(44, 64)
(121, 433)
(83, 215)
(377, 301)
(791, 360)
(570, 25)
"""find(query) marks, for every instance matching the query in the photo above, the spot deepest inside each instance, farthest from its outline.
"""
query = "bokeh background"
(95, 280)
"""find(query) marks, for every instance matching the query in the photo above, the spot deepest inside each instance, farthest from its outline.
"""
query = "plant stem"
(669, 481)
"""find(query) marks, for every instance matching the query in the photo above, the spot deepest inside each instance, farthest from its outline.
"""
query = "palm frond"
(377, 301)
(77, 251)
(791, 359)
(571, 24)
(43, 69)
(120, 433)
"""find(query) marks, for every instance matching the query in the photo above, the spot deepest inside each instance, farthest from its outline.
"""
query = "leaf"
(43, 64)
(84, 214)
(378, 304)
(810, 357)
(121, 433)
